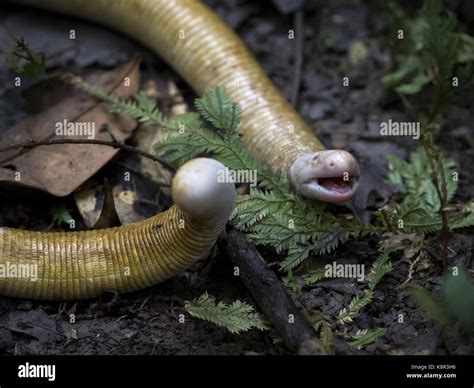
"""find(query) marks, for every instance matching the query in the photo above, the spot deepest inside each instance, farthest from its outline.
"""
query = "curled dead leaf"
(60, 169)
(135, 197)
(410, 243)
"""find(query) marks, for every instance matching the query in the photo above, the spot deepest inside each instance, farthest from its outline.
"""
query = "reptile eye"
(315, 157)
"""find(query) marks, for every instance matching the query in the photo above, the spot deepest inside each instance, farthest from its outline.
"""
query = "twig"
(443, 199)
(113, 144)
(411, 269)
(270, 295)
(111, 134)
(297, 66)
(441, 191)
(442, 195)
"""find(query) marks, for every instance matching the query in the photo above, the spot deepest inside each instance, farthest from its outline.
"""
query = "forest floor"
(146, 322)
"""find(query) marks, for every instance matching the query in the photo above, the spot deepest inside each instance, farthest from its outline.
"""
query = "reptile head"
(199, 190)
(328, 176)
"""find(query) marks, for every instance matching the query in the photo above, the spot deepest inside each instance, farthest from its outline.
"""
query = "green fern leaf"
(216, 107)
(237, 317)
(272, 214)
(367, 337)
(380, 267)
(314, 277)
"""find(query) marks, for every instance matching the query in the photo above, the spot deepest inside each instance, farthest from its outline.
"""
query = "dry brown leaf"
(60, 169)
(108, 216)
(411, 243)
(132, 201)
(90, 201)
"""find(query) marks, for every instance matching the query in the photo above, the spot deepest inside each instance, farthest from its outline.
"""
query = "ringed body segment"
(81, 265)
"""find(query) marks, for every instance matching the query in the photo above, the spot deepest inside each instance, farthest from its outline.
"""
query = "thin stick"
(271, 297)
(113, 144)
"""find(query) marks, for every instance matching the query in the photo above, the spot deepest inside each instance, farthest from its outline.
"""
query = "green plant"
(236, 317)
(61, 215)
(380, 267)
(314, 277)
(322, 323)
(366, 337)
(418, 211)
(455, 304)
(272, 214)
(432, 54)
(23, 60)
(429, 52)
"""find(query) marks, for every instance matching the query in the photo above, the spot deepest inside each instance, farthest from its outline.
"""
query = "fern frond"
(463, 222)
(216, 108)
(253, 208)
(417, 177)
(431, 42)
(463, 219)
(273, 214)
(326, 336)
(380, 267)
(347, 314)
(141, 108)
(295, 257)
(237, 317)
(293, 283)
(366, 337)
(314, 277)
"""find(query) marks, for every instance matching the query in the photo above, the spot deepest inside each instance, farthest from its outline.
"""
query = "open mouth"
(337, 184)
(334, 188)
(329, 176)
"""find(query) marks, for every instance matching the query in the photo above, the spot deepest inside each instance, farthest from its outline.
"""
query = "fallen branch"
(114, 144)
(271, 297)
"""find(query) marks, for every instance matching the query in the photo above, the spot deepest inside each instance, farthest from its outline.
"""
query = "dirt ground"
(146, 322)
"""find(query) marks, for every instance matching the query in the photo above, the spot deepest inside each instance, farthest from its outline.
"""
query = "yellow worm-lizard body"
(80, 265)
(206, 53)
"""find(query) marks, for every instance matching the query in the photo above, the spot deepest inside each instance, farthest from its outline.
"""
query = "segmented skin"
(81, 265)
(206, 53)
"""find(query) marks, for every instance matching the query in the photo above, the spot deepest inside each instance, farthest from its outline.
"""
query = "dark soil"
(147, 322)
